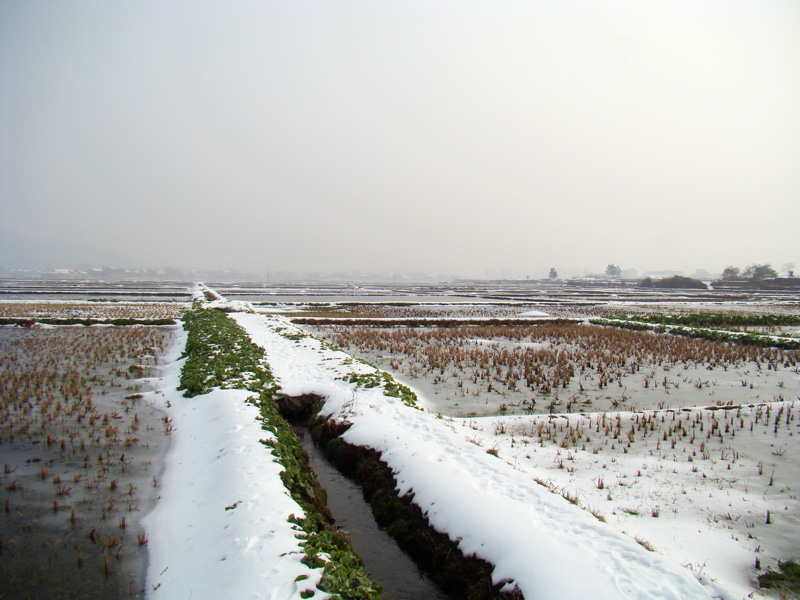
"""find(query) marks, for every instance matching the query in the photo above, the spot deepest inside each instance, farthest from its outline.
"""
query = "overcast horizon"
(440, 137)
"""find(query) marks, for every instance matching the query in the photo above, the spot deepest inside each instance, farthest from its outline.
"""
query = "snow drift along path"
(536, 539)
(219, 528)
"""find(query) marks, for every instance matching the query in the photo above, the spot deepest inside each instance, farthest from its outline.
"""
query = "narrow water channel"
(388, 564)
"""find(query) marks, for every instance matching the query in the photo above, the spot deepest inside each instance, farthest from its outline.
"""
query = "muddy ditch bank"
(382, 558)
(463, 577)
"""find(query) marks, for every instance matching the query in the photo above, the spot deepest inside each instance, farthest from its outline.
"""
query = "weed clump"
(343, 573)
(788, 579)
(221, 354)
(390, 386)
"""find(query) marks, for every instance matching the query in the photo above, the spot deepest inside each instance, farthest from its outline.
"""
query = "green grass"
(721, 320)
(390, 386)
(748, 339)
(343, 572)
(787, 579)
(221, 354)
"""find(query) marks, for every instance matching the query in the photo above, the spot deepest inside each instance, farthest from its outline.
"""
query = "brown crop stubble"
(597, 356)
(64, 411)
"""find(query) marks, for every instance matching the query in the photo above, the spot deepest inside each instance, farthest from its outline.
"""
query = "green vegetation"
(759, 272)
(390, 386)
(787, 580)
(663, 324)
(295, 337)
(731, 272)
(221, 354)
(718, 320)
(753, 272)
(297, 478)
(749, 339)
(676, 283)
(343, 574)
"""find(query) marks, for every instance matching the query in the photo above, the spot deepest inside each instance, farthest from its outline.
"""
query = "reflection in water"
(388, 564)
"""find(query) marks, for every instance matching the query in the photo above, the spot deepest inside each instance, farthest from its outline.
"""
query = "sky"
(470, 138)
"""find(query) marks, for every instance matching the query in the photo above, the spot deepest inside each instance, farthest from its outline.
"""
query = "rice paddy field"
(688, 444)
(81, 456)
(89, 310)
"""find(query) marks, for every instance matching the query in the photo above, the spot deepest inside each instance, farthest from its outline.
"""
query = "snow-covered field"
(715, 506)
(465, 374)
(687, 456)
(534, 538)
(91, 310)
(562, 504)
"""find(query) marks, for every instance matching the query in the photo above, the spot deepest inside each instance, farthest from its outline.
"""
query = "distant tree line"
(676, 282)
(754, 272)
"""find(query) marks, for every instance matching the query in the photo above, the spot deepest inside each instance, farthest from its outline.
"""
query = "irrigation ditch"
(221, 354)
(383, 559)
(437, 558)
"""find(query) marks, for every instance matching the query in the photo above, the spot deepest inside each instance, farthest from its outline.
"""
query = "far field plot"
(487, 370)
(688, 445)
(80, 452)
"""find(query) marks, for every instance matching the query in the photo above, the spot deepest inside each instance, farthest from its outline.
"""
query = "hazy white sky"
(449, 137)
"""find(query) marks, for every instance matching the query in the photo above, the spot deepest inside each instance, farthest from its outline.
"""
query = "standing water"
(400, 578)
